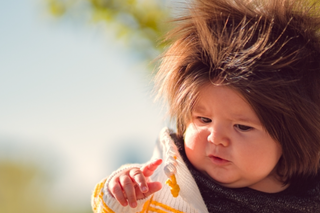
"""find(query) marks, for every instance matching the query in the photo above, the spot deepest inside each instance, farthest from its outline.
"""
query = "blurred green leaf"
(56, 8)
(130, 19)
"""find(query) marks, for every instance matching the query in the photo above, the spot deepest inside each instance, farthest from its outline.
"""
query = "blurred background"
(76, 97)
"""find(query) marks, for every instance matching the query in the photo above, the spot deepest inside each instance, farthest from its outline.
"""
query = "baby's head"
(265, 52)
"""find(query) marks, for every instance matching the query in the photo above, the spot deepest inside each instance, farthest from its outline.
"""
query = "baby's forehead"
(226, 102)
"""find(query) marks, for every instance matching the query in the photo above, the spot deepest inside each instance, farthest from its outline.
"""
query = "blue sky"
(73, 98)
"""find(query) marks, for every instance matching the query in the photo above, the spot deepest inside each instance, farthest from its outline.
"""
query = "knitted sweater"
(199, 193)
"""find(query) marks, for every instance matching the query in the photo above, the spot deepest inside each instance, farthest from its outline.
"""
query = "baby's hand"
(132, 184)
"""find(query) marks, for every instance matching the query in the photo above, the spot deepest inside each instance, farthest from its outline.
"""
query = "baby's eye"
(243, 127)
(205, 120)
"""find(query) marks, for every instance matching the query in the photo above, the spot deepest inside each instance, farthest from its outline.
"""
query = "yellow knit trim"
(168, 208)
(172, 182)
(98, 205)
(105, 208)
(98, 188)
(146, 205)
(152, 209)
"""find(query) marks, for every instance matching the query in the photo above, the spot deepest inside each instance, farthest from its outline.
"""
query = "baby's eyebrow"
(247, 120)
(199, 109)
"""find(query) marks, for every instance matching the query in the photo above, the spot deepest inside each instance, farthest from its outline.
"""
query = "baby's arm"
(133, 184)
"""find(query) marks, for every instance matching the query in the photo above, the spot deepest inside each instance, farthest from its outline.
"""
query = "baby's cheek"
(193, 142)
(190, 136)
(258, 165)
(193, 155)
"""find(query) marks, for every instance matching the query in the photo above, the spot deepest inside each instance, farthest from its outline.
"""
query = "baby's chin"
(223, 182)
(272, 186)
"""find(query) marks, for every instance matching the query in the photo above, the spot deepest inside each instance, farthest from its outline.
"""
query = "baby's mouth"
(218, 160)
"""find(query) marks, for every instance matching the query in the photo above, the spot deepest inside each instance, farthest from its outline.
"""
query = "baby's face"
(226, 140)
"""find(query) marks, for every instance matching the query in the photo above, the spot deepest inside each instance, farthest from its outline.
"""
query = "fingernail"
(144, 189)
(133, 204)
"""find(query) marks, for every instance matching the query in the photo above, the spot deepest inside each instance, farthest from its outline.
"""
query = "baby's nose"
(218, 136)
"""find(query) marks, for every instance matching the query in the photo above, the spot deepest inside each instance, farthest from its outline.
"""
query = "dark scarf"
(303, 197)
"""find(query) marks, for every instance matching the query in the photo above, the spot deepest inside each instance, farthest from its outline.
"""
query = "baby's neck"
(269, 185)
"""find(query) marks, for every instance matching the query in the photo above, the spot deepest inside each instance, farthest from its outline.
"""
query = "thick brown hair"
(269, 51)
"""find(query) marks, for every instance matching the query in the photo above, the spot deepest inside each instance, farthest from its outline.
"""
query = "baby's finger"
(149, 168)
(116, 191)
(153, 187)
(138, 177)
(128, 188)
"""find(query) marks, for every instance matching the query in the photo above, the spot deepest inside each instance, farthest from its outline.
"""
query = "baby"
(242, 80)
